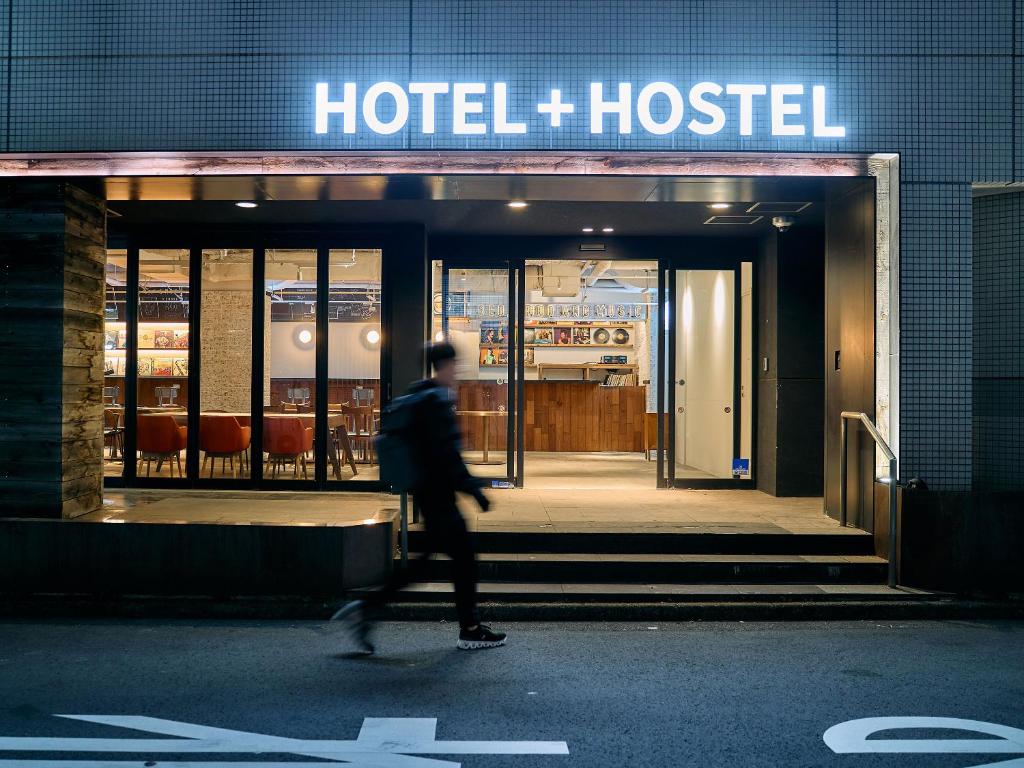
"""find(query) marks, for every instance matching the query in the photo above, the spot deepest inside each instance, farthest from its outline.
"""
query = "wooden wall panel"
(52, 257)
(559, 416)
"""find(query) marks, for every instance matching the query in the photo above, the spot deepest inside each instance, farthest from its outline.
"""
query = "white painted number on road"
(383, 742)
(852, 737)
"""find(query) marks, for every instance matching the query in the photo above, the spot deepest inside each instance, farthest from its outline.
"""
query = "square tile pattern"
(939, 81)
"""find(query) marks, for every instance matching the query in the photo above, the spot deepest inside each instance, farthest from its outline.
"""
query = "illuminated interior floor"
(585, 470)
(222, 470)
(551, 510)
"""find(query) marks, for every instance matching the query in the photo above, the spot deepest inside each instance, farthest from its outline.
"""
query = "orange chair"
(160, 438)
(222, 437)
(286, 440)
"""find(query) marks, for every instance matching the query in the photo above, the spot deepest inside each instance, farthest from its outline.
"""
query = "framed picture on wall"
(147, 338)
(544, 336)
(580, 335)
(145, 366)
(163, 339)
(163, 366)
(489, 355)
(493, 333)
(528, 358)
(563, 336)
(181, 366)
(181, 339)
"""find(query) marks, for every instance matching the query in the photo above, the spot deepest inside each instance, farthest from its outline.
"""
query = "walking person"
(434, 447)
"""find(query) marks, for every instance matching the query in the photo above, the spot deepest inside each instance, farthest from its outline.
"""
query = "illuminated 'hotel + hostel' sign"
(659, 109)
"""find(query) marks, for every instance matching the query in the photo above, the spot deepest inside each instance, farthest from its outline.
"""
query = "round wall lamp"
(304, 337)
(370, 337)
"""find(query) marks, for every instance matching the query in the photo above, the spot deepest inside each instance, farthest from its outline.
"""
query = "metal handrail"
(893, 480)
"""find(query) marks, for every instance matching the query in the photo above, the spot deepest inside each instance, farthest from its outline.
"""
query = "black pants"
(445, 532)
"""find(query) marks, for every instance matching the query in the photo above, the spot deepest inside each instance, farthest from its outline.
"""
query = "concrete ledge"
(304, 608)
(968, 543)
(71, 557)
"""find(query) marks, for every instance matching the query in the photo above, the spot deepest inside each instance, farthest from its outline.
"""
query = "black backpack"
(397, 447)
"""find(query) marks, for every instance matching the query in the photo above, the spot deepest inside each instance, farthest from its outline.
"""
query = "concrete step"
(539, 592)
(718, 540)
(597, 568)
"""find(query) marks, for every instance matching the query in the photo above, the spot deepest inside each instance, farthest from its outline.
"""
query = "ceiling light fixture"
(607, 230)
(588, 230)
(720, 206)
(517, 203)
(245, 204)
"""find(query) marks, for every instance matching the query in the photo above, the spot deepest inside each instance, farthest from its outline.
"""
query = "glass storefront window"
(353, 362)
(162, 334)
(225, 387)
(115, 343)
(290, 338)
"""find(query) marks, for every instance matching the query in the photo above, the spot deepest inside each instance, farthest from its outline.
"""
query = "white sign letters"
(660, 108)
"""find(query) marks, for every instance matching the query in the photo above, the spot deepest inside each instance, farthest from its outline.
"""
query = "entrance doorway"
(591, 373)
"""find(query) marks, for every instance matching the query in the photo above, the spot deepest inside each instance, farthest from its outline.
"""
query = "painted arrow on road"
(383, 742)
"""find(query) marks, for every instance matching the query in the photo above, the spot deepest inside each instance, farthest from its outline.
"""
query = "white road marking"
(383, 742)
(852, 737)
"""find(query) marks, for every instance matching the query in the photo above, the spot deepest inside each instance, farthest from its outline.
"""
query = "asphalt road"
(715, 694)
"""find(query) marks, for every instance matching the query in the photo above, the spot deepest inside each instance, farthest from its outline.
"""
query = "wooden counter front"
(561, 416)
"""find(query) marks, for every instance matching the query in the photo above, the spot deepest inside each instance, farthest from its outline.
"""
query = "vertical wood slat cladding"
(559, 416)
(52, 257)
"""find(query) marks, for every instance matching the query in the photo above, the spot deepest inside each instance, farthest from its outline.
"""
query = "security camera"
(782, 223)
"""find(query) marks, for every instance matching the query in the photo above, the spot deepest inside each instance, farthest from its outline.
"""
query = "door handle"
(728, 409)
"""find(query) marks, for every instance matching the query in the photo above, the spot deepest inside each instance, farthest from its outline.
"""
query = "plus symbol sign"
(555, 108)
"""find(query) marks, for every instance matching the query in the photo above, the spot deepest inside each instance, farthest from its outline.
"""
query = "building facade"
(92, 87)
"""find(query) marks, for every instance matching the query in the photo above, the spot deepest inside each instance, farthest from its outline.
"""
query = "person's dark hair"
(438, 353)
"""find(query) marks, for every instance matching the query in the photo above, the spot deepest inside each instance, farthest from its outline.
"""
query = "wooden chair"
(113, 431)
(361, 429)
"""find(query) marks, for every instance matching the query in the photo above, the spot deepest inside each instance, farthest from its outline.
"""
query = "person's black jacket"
(438, 445)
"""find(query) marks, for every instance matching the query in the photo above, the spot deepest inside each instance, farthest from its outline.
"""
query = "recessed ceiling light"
(245, 204)
(720, 206)
(588, 230)
(517, 204)
(607, 230)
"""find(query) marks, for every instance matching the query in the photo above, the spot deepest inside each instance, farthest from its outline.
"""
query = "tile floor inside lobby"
(566, 492)
(552, 510)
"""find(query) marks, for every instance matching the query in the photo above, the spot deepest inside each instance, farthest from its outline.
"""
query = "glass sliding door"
(354, 343)
(225, 346)
(162, 332)
(289, 378)
(474, 309)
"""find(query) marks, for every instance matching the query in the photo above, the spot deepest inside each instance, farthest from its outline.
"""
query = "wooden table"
(486, 416)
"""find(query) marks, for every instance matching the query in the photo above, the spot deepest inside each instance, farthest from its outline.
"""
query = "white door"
(705, 373)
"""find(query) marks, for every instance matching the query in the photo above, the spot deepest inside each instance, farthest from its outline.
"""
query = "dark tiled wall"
(999, 342)
(939, 81)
